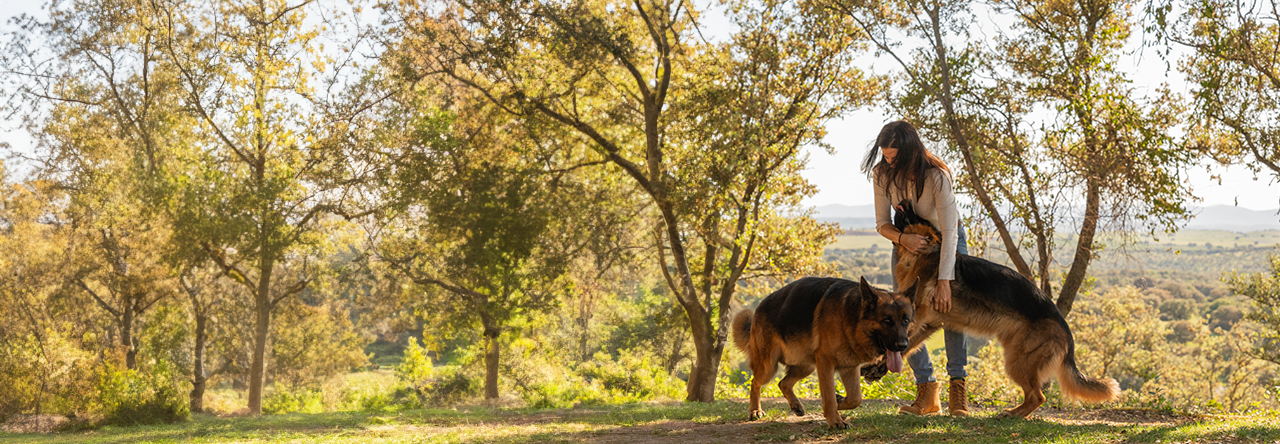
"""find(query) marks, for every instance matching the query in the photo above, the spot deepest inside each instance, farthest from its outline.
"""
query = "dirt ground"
(801, 429)
(33, 423)
(808, 428)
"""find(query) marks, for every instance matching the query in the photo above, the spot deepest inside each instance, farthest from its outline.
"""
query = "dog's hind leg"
(762, 371)
(794, 374)
(1028, 365)
(851, 377)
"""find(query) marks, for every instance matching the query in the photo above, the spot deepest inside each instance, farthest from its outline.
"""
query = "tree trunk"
(1084, 248)
(257, 370)
(702, 379)
(126, 337)
(491, 363)
(677, 348)
(198, 378)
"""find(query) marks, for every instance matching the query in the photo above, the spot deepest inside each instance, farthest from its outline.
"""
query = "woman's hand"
(913, 242)
(942, 296)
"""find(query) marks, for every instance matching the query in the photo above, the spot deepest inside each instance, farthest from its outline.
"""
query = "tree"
(1104, 148)
(103, 109)
(1264, 289)
(488, 210)
(36, 362)
(199, 286)
(633, 80)
(249, 71)
(1236, 76)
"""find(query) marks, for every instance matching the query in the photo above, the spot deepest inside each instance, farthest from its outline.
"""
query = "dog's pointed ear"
(911, 292)
(869, 298)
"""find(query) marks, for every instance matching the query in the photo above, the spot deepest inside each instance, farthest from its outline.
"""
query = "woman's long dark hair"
(912, 163)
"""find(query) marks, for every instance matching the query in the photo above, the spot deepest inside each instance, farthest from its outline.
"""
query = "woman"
(903, 169)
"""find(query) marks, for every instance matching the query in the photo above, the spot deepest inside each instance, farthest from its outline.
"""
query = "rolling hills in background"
(1216, 217)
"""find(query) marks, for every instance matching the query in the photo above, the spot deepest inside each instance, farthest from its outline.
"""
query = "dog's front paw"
(838, 424)
(755, 414)
(875, 372)
(798, 409)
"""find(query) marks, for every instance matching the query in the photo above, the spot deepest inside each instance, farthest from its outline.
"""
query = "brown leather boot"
(957, 399)
(926, 401)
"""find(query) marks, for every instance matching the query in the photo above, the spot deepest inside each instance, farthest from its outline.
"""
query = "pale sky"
(838, 177)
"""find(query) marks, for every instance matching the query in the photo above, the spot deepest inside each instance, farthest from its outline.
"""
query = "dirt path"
(811, 428)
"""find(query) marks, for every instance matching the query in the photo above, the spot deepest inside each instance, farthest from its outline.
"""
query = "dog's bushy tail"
(742, 328)
(1077, 384)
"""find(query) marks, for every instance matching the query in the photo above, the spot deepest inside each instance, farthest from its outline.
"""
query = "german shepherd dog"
(992, 300)
(829, 325)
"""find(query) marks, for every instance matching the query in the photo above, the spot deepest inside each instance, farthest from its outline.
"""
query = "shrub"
(630, 378)
(1177, 309)
(451, 385)
(1181, 332)
(132, 397)
(284, 399)
(1225, 317)
(423, 384)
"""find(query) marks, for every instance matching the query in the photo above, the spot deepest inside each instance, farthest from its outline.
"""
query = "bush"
(423, 384)
(1181, 332)
(450, 386)
(132, 397)
(1225, 317)
(282, 399)
(1177, 309)
(630, 378)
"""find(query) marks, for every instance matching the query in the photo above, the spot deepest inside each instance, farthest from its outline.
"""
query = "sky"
(837, 175)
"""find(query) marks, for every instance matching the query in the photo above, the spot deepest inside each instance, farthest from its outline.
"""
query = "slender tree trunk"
(677, 347)
(199, 378)
(582, 343)
(126, 336)
(257, 370)
(491, 362)
(1084, 248)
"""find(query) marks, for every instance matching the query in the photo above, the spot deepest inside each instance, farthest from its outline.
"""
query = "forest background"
(267, 207)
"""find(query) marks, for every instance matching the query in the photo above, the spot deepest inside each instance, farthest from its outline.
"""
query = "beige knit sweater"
(937, 204)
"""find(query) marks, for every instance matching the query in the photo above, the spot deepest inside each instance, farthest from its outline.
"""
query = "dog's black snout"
(900, 345)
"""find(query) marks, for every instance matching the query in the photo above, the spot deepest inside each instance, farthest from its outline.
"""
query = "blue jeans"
(956, 344)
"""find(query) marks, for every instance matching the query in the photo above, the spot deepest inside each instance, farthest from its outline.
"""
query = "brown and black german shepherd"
(828, 325)
(992, 300)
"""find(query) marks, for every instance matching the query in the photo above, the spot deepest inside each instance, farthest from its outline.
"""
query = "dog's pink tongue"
(894, 361)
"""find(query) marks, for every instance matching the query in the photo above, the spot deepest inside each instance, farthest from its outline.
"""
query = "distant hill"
(1216, 217)
(850, 217)
(1229, 218)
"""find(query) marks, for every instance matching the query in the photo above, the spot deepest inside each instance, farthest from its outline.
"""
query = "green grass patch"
(723, 421)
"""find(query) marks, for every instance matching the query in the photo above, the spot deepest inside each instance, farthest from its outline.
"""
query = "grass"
(672, 422)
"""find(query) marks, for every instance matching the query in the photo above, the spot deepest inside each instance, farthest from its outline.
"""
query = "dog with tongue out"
(828, 326)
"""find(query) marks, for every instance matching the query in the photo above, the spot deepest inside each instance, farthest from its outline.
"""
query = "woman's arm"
(949, 219)
(883, 224)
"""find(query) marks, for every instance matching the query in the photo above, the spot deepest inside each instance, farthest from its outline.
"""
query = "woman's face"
(889, 154)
